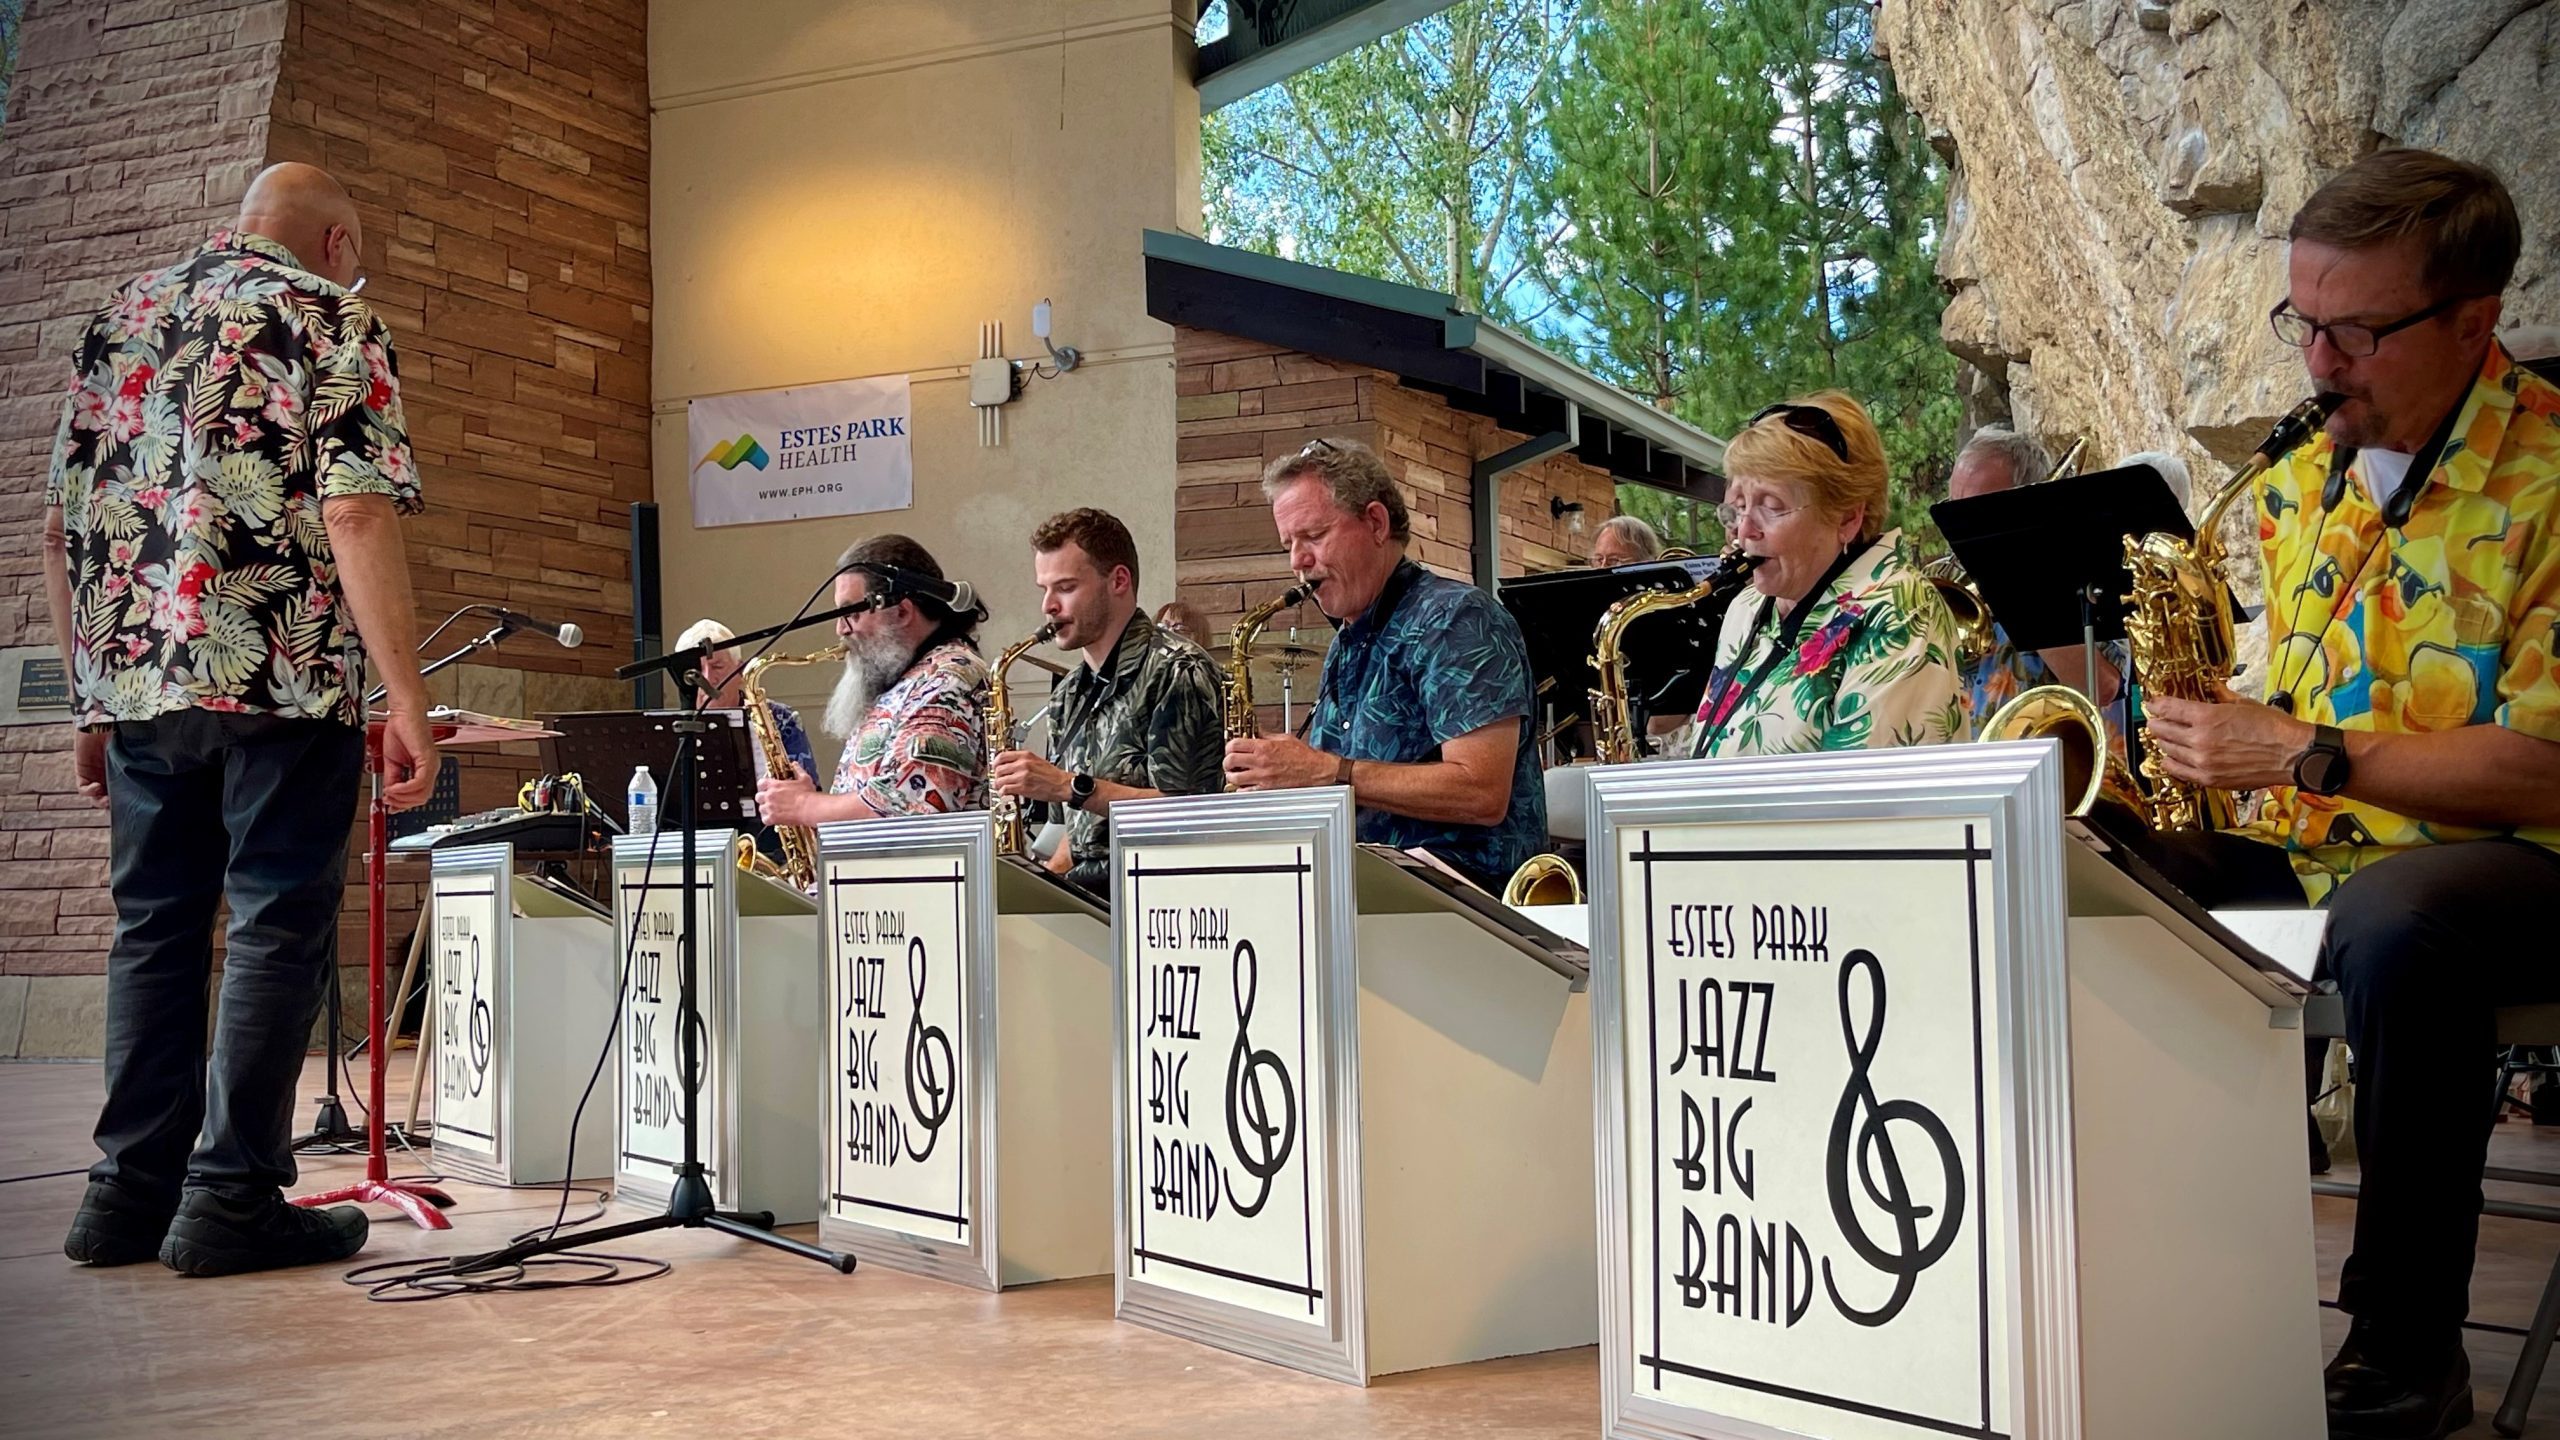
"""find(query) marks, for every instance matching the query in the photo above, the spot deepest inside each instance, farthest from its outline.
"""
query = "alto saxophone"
(1241, 724)
(1613, 724)
(799, 867)
(1010, 836)
(2178, 619)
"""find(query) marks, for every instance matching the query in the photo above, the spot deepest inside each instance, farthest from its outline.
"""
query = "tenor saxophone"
(1241, 723)
(1613, 724)
(2178, 619)
(1010, 836)
(799, 867)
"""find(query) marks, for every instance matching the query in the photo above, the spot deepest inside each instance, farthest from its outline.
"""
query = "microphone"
(570, 636)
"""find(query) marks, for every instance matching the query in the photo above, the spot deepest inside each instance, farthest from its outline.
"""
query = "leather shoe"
(116, 1226)
(2385, 1396)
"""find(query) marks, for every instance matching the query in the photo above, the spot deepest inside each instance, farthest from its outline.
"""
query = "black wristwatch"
(2321, 768)
(1080, 790)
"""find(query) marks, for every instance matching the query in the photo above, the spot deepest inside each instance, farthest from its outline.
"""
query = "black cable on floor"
(47, 1175)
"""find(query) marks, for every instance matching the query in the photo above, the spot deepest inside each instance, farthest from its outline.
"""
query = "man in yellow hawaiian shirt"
(2410, 748)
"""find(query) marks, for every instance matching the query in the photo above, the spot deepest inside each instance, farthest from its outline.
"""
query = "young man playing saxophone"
(1138, 719)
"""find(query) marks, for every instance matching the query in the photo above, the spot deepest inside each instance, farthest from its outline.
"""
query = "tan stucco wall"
(843, 188)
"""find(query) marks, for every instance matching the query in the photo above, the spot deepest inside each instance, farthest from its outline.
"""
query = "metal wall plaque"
(908, 912)
(1834, 1097)
(1236, 1106)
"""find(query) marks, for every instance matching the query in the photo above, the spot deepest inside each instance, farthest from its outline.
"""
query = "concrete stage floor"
(742, 1340)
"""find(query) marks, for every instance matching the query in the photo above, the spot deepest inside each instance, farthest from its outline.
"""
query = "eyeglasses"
(357, 287)
(1812, 422)
(2302, 332)
(1764, 511)
(1315, 447)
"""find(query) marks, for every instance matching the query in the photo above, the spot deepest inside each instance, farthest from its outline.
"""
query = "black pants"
(2424, 947)
(206, 807)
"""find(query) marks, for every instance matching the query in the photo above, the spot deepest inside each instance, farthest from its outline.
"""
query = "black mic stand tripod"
(689, 1201)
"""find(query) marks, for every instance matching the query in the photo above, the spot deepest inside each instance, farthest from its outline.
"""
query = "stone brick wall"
(1242, 404)
(498, 152)
(132, 128)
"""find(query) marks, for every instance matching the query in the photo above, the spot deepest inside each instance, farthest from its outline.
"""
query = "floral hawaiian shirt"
(2446, 621)
(922, 750)
(216, 405)
(2006, 672)
(1432, 659)
(1873, 664)
(1155, 718)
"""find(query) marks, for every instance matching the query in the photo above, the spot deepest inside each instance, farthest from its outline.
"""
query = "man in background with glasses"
(2410, 743)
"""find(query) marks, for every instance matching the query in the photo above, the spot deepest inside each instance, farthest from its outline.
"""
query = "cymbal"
(1286, 660)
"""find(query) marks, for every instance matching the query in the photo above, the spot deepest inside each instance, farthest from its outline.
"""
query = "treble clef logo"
(930, 1081)
(1879, 1167)
(481, 1038)
(1249, 1107)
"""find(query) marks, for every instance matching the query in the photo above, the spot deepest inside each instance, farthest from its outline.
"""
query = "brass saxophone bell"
(1543, 880)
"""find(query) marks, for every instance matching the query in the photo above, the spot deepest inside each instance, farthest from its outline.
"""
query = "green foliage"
(1413, 158)
(1714, 204)
(13, 15)
(1754, 218)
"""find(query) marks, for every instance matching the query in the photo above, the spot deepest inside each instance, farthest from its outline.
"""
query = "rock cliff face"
(2125, 171)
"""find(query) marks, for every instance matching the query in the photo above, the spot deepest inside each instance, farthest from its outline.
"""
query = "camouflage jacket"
(1154, 718)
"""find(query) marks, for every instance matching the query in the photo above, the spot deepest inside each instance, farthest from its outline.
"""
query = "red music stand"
(421, 1202)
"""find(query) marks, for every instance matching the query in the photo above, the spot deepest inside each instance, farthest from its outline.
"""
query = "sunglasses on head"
(1812, 422)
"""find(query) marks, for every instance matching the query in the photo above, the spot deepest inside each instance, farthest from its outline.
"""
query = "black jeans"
(206, 807)
(2424, 947)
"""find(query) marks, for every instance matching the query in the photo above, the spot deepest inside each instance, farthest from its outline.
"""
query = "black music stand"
(709, 744)
(1558, 611)
(2049, 559)
(603, 747)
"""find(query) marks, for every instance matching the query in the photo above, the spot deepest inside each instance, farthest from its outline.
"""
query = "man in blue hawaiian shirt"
(1426, 700)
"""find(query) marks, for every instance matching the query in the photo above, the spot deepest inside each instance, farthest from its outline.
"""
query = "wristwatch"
(2321, 768)
(1080, 790)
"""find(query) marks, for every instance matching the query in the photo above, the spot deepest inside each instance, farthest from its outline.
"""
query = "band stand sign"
(967, 1058)
(1834, 1099)
(513, 1002)
(759, 987)
(1236, 1223)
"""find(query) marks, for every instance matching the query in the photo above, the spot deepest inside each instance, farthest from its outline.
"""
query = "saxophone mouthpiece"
(1045, 633)
(2299, 425)
(1300, 593)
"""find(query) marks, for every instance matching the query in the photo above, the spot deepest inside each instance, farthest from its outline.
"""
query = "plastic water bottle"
(644, 802)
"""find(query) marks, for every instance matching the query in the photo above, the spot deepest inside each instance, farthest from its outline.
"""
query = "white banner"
(1226, 1106)
(835, 449)
(898, 1142)
(1814, 1129)
(466, 985)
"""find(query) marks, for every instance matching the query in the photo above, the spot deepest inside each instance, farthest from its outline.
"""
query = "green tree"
(1414, 158)
(1749, 213)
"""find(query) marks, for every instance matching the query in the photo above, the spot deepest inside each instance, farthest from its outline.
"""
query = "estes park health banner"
(834, 449)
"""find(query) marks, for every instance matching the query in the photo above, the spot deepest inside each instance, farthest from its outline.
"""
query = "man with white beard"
(911, 703)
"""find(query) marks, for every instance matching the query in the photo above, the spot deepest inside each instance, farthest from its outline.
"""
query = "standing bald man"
(222, 558)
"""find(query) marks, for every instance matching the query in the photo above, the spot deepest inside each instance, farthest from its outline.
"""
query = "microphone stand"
(331, 1127)
(689, 1201)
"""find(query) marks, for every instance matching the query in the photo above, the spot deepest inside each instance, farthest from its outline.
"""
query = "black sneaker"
(116, 1227)
(215, 1236)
